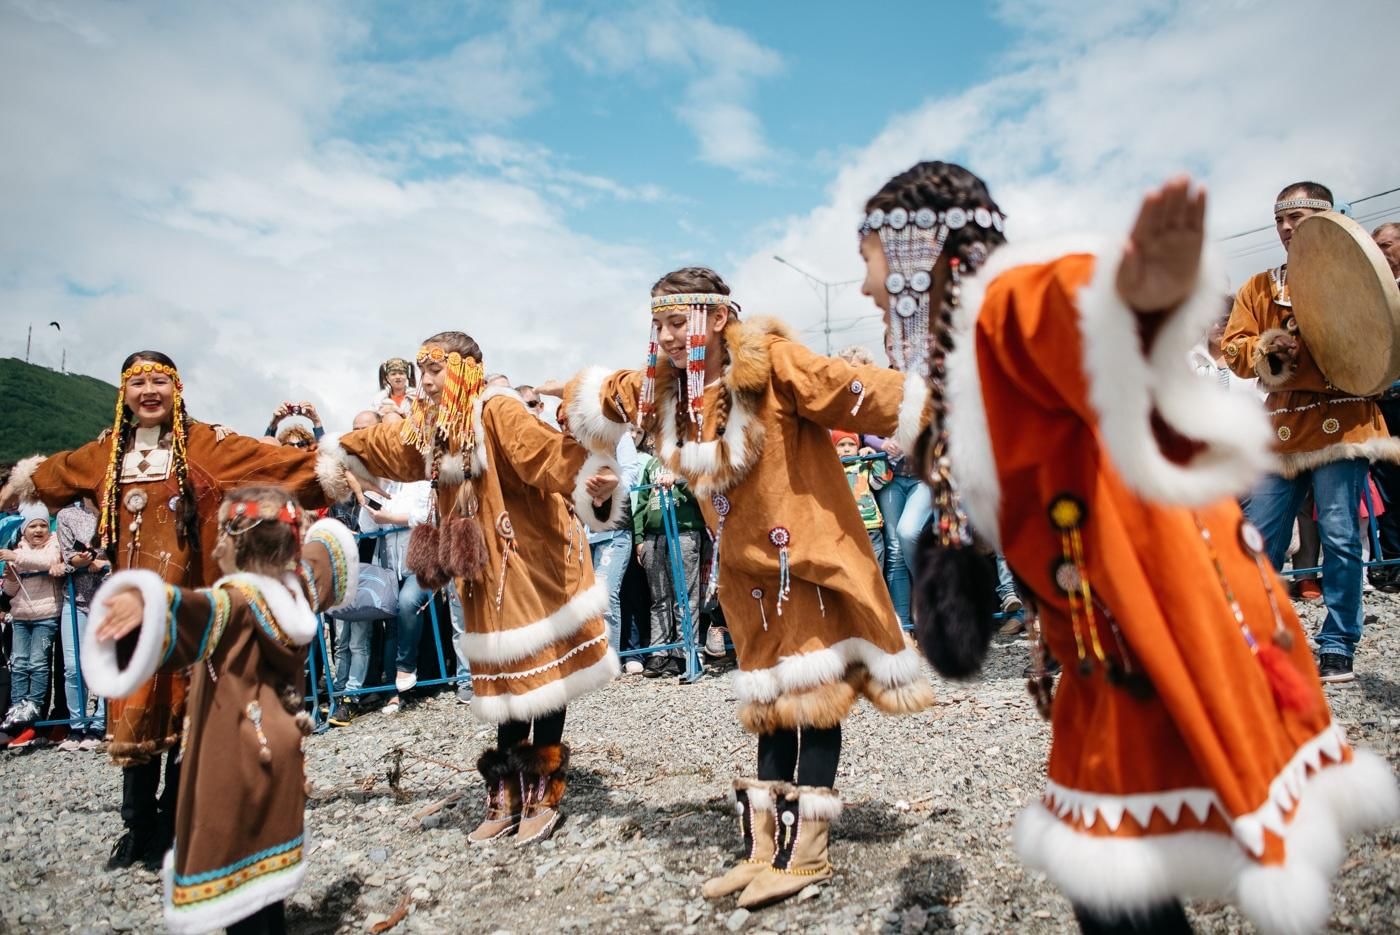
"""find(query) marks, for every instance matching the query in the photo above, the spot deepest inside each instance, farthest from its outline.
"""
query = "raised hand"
(1163, 252)
(124, 612)
(601, 486)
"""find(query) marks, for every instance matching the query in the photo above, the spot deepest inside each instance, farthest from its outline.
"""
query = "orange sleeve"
(1241, 338)
(375, 452)
(240, 461)
(61, 478)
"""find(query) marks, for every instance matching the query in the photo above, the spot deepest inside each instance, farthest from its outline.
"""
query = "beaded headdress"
(395, 365)
(108, 523)
(450, 419)
(696, 307)
(1316, 204)
(241, 516)
(912, 244)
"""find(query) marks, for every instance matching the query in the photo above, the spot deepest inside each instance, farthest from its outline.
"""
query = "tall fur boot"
(502, 797)
(801, 857)
(542, 786)
(753, 802)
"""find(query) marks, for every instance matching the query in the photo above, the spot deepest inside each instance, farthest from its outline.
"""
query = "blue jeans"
(1337, 489)
(413, 600)
(892, 499)
(877, 544)
(610, 559)
(29, 660)
(352, 653)
(70, 671)
(917, 510)
(1006, 583)
(459, 627)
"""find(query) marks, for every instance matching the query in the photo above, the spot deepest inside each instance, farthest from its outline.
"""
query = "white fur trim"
(497, 709)
(237, 904)
(479, 457)
(1125, 388)
(290, 611)
(827, 666)
(21, 482)
(584, 412)
(503, 647)
(701, 463)
(760, 793)
(911, 411)
(1385, 448)
(583, 503)
(332, 461)
(104, 675)
(1112, 874)
(452, 469)
(818, 803)
(344, 540)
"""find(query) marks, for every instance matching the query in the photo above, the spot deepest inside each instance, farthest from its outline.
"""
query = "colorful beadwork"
(781, 539)
(721, 504)
(1068, 515)
(451, 420)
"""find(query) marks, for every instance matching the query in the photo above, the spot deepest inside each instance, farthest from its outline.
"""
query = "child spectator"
(32, 575)
(865, 477)
(653, 553)
(85, 566)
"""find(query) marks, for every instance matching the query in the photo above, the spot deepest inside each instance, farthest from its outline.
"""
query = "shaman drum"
(1346, 302)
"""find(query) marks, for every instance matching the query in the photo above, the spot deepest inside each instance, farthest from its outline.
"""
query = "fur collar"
(749, 366)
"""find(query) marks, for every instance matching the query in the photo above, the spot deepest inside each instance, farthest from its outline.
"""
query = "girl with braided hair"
(508, 493)
(742, 412)
(158, 476)
(239, 826)
(1192, 753)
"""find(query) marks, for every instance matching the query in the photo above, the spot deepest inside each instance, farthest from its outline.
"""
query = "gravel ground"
(924, 844)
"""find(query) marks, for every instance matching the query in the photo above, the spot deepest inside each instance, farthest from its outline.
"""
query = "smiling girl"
(158, 477)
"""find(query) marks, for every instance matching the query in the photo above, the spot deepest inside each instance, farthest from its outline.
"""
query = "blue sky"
(280, 195)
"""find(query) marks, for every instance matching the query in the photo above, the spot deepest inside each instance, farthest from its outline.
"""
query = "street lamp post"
(826, 296)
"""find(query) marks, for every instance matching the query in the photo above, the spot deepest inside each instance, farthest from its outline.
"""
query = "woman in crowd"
(742, 413)
(158, 477)
(1193, 754)
(396, 386)
(500, 527)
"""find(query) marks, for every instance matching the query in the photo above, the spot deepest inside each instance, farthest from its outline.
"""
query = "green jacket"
(647, 517)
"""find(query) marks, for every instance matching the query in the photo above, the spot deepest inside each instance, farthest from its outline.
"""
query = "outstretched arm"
(57, 480)
(378, 451)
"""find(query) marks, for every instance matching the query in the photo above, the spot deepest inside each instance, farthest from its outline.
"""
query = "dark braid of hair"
(954, 604)
(722, 407)
(189, 506)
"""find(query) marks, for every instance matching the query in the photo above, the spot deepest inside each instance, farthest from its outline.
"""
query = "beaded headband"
(1317, 204)
(142, 367)
(450, 419)
(912, 243)
(288, 513)
(696, 306)
(397, 365)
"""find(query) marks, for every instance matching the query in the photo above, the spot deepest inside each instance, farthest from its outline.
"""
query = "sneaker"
(1334, 667)
(1011, 608)
(656, 667)
(72, 744)
(464, 693)
(340, 716)
(714, 642)
(633, 667)
(392, 707)
(130, 848)
(24, 738)
(92, 742)
(13, 718)
(403, 681)
(1309, 590)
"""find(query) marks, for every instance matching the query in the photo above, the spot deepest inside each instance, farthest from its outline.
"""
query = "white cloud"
(1093, 107)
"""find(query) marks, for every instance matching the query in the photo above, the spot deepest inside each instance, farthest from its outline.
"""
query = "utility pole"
(28, 343)
(826, 296)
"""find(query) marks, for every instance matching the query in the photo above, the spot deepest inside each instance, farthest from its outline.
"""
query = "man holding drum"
(1326, 436)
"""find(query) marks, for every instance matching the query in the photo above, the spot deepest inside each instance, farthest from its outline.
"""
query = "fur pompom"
(954, 607)
(1291, 690)
(462, 548)
(422, 558)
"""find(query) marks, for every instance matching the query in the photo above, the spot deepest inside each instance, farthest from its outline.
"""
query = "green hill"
(46, 411)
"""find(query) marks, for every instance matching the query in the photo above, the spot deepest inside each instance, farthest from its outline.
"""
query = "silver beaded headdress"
(912, 246)
(1316, 204)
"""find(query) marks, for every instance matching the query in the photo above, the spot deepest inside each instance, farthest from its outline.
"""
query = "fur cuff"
(760, 792)
(344, 556)
(913, 411)
(542, 760)
(21, 481)
(583, 503)
(1275, 371)
(1385, 448)
(293, 620)
(331, 464)
(106, 675)
(814, 802)
(495, 765)
(583, 411)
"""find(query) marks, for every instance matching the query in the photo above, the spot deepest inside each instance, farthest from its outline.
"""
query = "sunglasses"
(535, 405)
(298, 444)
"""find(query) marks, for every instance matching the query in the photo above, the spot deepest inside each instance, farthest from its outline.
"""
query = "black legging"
(810, 755)
(548, 730)
(269, 920)
(142, 808)
(1166, 919)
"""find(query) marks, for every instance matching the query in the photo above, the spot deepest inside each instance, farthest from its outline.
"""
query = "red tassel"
(422, 558)
(1291, 690)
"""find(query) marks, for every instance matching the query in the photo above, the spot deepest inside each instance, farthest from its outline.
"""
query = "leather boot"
(502, 797)
(800, 858)
(542, 784)
(753, 802)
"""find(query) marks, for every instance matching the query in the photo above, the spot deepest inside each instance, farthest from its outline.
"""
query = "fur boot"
(753, 801)
(502, 797)
(542, 786)
(800, 857)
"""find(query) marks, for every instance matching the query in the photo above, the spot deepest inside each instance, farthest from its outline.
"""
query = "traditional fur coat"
(239, 822)
(148, 721)
(804, 599)
(535, 636)
(1086, 446)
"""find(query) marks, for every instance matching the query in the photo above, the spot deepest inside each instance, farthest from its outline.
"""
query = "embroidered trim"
(172, 598)
(544, 668)
(219, 607)
(214, 883)
(262, 613)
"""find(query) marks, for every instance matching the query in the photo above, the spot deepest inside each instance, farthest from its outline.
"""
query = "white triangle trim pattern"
(1248, 829)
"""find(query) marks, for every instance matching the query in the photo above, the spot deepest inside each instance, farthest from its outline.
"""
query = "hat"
(838, 436)
(34, 512)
